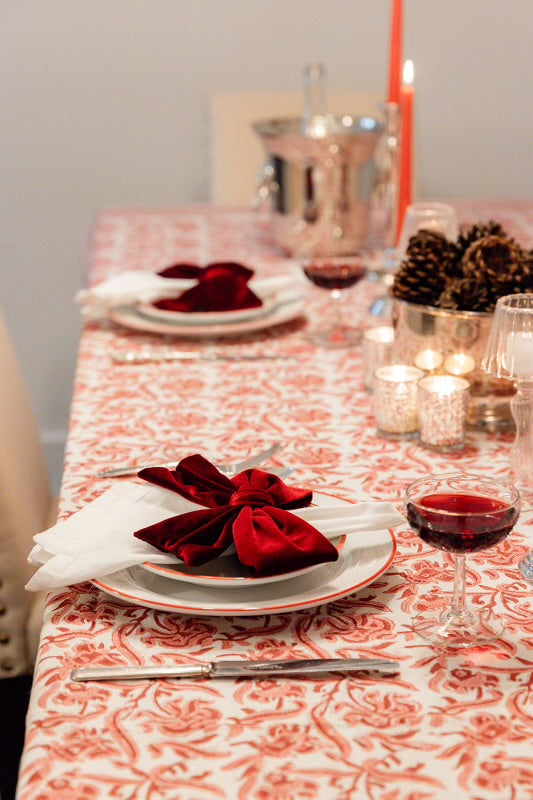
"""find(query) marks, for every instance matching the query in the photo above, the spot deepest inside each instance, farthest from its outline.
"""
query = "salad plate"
(208, 317)
(227, 571)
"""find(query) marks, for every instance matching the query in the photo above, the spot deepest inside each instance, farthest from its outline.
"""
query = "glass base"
(340, 336)
(396, 436)
(526, 566)
(470, 629)
(443, 448)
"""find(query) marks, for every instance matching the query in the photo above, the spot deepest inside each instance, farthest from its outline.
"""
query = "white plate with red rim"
(364, 558)
(208, 317)
(284, 311)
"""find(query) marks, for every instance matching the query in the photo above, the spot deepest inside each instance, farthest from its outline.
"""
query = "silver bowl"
(456, 341)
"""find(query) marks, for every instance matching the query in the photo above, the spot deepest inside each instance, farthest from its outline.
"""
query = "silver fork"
(228, 469)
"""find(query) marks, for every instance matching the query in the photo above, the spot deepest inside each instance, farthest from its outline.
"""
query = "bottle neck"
(315, 115)
(315, 103)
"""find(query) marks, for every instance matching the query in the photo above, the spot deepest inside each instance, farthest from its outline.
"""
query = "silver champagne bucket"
(319, 183)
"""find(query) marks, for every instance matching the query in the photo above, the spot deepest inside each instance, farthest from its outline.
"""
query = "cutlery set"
(237, 668)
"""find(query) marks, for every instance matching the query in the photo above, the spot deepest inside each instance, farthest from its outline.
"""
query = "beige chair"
(26, 507)
(236, 152)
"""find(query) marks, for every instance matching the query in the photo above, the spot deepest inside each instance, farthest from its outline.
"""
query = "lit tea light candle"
(395, 400)
(377, 350)
(519, 356)
(442, 411)
(459, 364)
(428, 360)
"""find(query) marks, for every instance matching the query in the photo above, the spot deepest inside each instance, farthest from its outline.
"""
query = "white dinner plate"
(208, 317)
(227, 571)
(364, 558)
(284, 311)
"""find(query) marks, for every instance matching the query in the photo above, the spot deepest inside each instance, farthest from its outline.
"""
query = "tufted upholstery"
(26, 507)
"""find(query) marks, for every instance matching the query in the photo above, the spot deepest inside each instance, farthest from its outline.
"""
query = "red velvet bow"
(249, 511)
(222, 286)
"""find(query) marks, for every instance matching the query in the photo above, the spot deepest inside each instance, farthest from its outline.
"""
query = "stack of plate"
(275, 310)
(223, 588)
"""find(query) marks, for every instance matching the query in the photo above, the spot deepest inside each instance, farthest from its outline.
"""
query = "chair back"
(25, 503)
(236, 152)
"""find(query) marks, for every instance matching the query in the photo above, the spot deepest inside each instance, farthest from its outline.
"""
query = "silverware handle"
(133, 673)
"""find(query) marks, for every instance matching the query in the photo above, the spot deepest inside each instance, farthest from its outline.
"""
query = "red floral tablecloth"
(449, 726)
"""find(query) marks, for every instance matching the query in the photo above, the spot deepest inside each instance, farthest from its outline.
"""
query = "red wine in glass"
(334, 274)
(469, 523)
(461, 514)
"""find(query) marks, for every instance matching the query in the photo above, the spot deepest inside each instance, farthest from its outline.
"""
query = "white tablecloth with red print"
(448, 726)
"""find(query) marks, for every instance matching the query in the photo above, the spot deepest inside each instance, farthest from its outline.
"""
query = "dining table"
(450, 724)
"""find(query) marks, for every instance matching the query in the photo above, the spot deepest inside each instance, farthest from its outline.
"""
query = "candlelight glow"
(459, 364)
(428, 359)
(408, 71)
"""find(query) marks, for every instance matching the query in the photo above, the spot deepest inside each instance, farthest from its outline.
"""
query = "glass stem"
(459, 587)
(522, 451)
(336, 308)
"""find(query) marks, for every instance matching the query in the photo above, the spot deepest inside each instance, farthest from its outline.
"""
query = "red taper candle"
(407, 101)
(395, 55)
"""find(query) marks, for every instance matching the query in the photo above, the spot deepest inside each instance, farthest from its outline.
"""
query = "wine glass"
(431, 216)
(509, 354)
(461, 514)
(335, 273)
(436, 217)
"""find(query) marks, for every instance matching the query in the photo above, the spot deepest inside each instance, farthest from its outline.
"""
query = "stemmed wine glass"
(461, 514)
(335, 273)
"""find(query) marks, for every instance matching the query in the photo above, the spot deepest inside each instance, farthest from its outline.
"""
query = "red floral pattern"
(449, 726)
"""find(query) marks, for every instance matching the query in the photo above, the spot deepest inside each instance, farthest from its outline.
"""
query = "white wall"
(104, 102)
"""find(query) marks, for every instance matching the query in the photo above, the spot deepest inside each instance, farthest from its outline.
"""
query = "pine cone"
(501, 263)
(421, 276)
(527, 266)
(467, 237)
(478, 231)
(471, 293)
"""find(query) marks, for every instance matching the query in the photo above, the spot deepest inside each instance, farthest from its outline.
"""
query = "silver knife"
(230, 469)
(236, 669)
(143, 357)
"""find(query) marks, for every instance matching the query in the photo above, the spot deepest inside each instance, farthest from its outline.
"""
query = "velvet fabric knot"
(248, 496)
(249, 511)
(221, 286)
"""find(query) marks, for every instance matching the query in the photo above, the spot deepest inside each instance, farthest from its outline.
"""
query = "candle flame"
(408, 71)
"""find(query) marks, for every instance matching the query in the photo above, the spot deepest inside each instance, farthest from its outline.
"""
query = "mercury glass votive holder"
(396, 400)
(377, 350)
(442, 411)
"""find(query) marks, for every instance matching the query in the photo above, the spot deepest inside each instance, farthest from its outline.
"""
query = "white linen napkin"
(98, 540)
(134, 286)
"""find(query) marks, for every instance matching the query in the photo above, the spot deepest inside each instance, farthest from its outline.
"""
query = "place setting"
(189, 538)
(220, 299)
